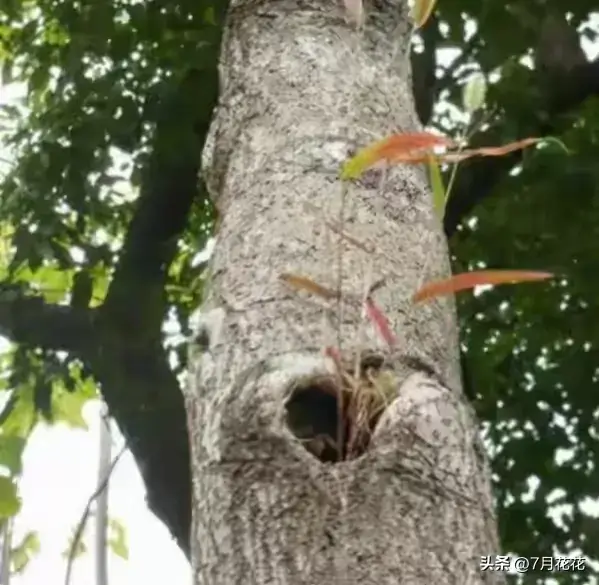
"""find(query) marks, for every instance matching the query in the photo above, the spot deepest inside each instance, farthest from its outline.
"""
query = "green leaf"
(67, 405)
(437, 186)
(54, 283)
(24, 552)
(118, 538)
(101, 279)
(209, 16)
(10, 503)
(557, 142)
(6, 233)
(11, 453)
(21, 417)
(67, 408)
(55, 35)
(80, 549)
(473, 97)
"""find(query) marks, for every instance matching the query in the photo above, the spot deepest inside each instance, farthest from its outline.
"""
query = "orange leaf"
(399, 144)
(304, 283)
(398, 147)
(421, 11)
(468, 280)
(489, 150)
(380, 322)
(416, 157)
(510, 147)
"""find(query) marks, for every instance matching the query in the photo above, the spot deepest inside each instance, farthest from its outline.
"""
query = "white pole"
(104, 468)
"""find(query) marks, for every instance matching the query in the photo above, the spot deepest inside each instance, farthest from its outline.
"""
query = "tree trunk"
(410, 503)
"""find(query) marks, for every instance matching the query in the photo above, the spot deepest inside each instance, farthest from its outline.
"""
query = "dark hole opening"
(312, 417)
(313, 414)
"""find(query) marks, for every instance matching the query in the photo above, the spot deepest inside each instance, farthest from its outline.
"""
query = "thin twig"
(340, 405)
(85, 516)
(463, 139)
(369, 283)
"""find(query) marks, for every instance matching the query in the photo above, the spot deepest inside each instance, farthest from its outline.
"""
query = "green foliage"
(67, 404)
(531, 356)
(117, 540)
(473, 97)
(10, 503)
(11, 452)
(74, 549)
(21, 554)
(437, 186)
(93, 78)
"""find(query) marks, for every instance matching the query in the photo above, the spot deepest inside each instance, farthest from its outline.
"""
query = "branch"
(31, 321)
(138, 384)
(170, 186)
(477, 179)
(122, 344)
(145, 399)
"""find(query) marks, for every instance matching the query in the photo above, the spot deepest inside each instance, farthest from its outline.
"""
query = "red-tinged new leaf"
(380, 322)
(417, 148)
(399, 144)
(468, 280)
(307, 284)
(395, 148)
(416, 157)
(506, 148)
(489, 150)
(334, 354)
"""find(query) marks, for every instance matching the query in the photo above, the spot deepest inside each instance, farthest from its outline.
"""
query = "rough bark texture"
(300, 91)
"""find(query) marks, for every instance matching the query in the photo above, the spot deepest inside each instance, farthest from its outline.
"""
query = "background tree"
(102, 195)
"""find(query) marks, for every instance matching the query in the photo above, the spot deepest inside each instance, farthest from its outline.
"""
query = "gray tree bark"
(300, 91)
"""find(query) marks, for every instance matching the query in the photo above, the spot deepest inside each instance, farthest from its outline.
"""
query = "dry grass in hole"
(334, 416)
